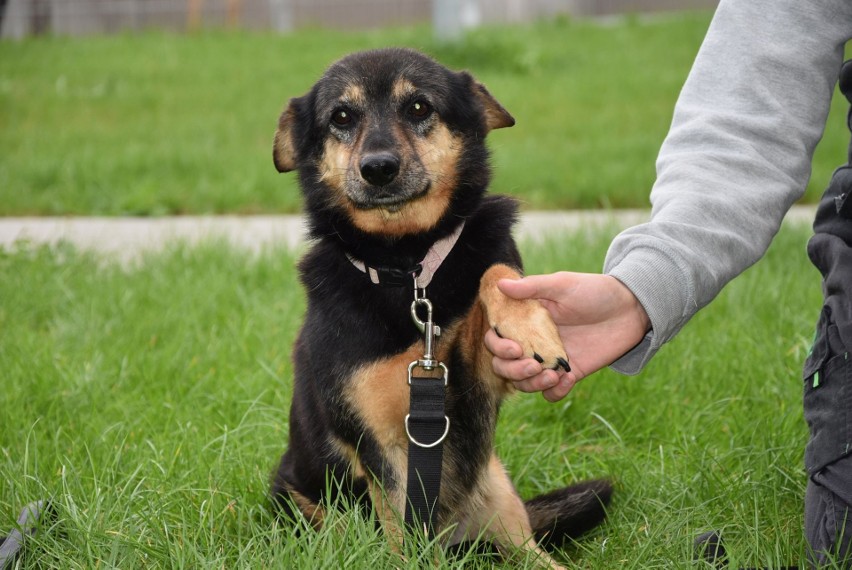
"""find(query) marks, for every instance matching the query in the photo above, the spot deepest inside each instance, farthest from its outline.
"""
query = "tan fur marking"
(440, 153)
(507, 520)
(380, 393)
(417, 216)
(473, 329)
(354, 95)
(524, 321)
(488, 292)
(312, 511)
(389, 509)
(336, 161)
(350, 454)
(387, 506)
(283, 149)
(402, 88)
(496, 116)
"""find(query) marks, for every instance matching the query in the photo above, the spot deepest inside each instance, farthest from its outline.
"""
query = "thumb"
(535, 286)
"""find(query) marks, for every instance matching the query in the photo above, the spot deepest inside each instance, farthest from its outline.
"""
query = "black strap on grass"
(426, 425)
(12, 545)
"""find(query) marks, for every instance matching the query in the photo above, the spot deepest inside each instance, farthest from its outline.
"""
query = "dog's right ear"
(284, 147)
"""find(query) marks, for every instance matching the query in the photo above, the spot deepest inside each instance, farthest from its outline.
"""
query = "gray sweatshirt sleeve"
(737, 156)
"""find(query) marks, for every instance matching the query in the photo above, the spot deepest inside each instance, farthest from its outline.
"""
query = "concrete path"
(125, 238)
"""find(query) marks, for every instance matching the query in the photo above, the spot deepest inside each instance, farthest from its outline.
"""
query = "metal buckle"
(396, 277)
(429, 365)
(427, 445)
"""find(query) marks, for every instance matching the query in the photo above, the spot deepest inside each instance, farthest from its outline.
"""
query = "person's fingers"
(500, 347)
(544, 380)
(516, 370)
(560, 389)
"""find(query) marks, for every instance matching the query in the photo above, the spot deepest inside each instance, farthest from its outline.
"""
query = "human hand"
(598, 318)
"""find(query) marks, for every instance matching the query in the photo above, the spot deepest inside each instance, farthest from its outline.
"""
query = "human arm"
(736, 158)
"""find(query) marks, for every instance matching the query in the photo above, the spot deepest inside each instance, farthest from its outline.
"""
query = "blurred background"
(167, 107)
(75, 17)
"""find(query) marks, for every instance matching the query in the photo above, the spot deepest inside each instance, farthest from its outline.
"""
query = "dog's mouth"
(392, 199)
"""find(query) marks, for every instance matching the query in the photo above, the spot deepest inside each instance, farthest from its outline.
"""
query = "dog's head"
(390, 141)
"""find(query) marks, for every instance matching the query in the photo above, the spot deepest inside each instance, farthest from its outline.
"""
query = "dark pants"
(828, 374)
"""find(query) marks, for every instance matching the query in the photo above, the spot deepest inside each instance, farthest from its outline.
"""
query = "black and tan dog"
(390, 150)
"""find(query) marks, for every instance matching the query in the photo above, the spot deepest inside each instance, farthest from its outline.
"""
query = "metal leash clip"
(428, 363)
(430, 331)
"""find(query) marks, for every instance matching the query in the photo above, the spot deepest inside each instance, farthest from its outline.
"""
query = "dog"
(389, 147)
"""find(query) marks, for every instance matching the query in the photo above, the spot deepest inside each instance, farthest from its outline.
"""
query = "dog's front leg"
(526, 321)
(379, 396)
(389, 503)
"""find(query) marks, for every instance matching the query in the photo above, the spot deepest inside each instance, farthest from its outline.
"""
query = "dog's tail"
(568, 512)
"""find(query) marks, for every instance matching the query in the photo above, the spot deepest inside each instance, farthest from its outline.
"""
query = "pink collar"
(430, 264)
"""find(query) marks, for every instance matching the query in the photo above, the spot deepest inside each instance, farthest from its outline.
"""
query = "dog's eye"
(342, 118)
(419, 110)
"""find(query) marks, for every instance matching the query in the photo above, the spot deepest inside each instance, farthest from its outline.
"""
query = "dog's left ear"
(496, 117)
(284, 147)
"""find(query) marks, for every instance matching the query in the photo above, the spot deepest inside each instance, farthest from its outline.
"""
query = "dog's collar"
(421, 273)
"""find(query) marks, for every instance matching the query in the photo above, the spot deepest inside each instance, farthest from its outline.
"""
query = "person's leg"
(828, 396)
(828, 374)
(828, 524)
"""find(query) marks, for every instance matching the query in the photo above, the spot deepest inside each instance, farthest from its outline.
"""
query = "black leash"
(710, 548)
(12, 545)
(426, 425)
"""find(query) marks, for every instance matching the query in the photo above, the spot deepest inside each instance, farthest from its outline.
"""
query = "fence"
(21, 18)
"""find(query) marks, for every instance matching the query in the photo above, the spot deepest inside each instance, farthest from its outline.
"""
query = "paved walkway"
(127, 237)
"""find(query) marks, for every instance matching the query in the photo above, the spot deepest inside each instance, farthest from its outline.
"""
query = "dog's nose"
(379, 169)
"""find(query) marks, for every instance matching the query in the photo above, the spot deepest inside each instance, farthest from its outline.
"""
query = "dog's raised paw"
(530, 325)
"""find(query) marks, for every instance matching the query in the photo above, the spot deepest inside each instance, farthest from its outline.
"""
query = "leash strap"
(12, 545)
(427, 426)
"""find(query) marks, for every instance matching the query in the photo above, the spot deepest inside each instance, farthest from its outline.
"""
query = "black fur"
(351, 322)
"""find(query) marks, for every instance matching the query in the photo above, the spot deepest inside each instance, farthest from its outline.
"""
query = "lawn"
(155, 124)
(150, 402)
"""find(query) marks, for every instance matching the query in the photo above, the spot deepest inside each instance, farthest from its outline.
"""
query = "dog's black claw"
(497, 332)
(709, 547)
(538, 357)
(563, 364)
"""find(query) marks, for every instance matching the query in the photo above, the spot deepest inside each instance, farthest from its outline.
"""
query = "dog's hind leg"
(290, 501)
(503, 517)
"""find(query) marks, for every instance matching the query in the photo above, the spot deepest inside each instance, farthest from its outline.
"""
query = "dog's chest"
(378, 394)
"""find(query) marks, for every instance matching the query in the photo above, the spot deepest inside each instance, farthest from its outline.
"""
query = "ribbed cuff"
(662, 289)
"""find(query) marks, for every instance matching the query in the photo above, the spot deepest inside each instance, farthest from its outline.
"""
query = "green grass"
(151, 403)
(155, 124)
